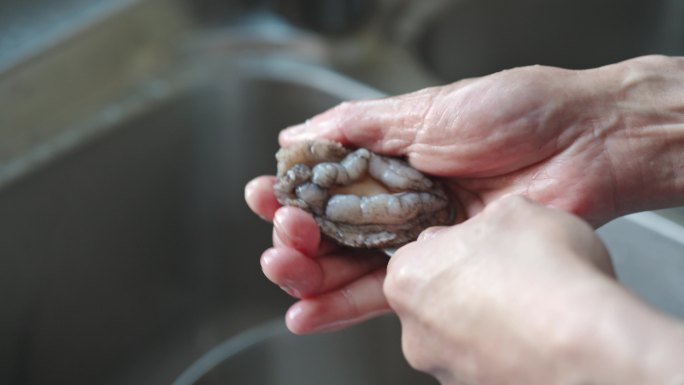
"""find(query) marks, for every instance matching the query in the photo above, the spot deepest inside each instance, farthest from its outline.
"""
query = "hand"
(597, 143)
(523, 294)
(336, 286)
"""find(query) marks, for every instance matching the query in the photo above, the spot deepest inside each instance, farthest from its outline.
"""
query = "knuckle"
(508, 205)
(398, 285)
(565, 339)
(345, 107)
(352, 304)
(516, 201)
(413, 350)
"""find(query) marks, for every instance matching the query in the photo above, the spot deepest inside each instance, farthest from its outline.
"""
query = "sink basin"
(269, 354)
(477, 37)
(136, 251)
(126, 249)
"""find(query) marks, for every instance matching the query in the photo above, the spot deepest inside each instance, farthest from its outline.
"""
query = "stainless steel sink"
(269, 354)
(126, 250)
(130, 253)
(137, 248)
(467, 38)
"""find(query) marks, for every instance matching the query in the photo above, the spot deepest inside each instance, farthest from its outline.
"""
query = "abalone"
(357, 197)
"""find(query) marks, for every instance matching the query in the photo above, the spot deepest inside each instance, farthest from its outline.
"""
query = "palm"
(570, 185)
(523, 131)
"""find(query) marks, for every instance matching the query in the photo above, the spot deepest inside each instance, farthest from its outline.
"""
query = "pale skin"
(518, 292)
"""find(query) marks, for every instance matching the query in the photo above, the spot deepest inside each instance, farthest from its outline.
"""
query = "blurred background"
(128, 129)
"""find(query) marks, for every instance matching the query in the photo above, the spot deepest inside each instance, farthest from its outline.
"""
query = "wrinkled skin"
(525, 283)
(596, 143)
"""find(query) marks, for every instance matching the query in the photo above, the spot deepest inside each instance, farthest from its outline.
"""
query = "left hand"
(336, 286)
(523, 294)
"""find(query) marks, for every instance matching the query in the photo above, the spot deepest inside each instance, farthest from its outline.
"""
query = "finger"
(260, 198)
(304, 277)
(431, 232)
(386, 125)
(295, 228)
(356, 302)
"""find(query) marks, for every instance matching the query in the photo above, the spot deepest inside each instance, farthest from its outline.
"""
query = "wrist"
(657, 349)
(630, 343)
(640, 115)
(653, 348)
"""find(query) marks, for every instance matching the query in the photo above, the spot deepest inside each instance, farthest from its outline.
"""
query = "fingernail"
(430, 233)
(289, 290)
(266, 257)
(281, 232)
(291, 133)
(291, 318)
(293, 312)
(318, 127)
(332, 326)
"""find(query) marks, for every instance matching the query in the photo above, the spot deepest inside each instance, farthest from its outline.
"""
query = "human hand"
(336, 286)
(523, 294)
(575, 140)
(598, 143)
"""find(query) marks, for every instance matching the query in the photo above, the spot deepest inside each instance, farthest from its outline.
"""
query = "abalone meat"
(359, 198)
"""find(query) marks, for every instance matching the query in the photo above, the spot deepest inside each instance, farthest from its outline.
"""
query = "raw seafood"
(359, 198)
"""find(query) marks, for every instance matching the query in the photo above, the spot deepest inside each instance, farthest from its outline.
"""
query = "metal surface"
(85, 83)
(126, 249)
(270, 355)
(648, 254)
(29, 27)
(474, 38)
(129, 256)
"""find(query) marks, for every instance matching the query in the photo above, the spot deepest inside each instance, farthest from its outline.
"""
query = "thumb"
(388, 126)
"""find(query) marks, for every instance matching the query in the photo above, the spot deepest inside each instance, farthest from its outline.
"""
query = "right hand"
(524, 294)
